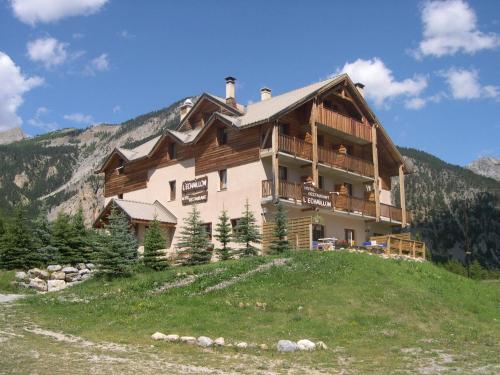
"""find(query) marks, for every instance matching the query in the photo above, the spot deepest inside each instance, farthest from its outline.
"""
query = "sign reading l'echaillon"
(313, 196)
(195, 191)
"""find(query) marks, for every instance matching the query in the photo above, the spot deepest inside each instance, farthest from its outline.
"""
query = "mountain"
(57, 168)
(11, 135)
(488, 166)
(453, 208)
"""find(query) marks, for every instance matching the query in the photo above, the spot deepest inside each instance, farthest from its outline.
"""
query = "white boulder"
(81, 266)
(58, 275)
(38, 284)
(72, 277)
(55, 285)
(158, 336)
(306, 345)
(83, 271)
(205, 341)
(242, 345)
(54, 268)
(21, 276)
(70, 270)
(286, 346)
(37, 272)
(188, 339)
(172, 338)
(219, 341)
(321, 345)
(90, 266)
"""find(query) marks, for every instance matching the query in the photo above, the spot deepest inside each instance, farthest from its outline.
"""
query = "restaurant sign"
(195, 191)
(313, 196)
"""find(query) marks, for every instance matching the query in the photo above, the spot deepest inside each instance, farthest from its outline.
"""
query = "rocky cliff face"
(11, 135)
(58, 167)
(488, 166)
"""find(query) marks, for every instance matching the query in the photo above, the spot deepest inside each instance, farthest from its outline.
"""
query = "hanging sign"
(313, 196)
(195, 191)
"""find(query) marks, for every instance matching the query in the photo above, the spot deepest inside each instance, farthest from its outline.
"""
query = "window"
(221, 136)
(321, 182)
(121, 167)
(234, 223)
(284, 129)
(120, 196)
(321, 140)
(283, 173)
(223, 179)
(172, 185)
(318, 231)
(349, 188)
(172, 151)
(349, 236)
(208, 230)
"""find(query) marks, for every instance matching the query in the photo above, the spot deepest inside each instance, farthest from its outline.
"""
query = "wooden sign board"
(195, 191)
(315, 197)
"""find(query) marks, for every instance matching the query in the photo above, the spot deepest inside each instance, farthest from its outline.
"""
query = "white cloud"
(79, 117)
(464, 84)
(78, 35)
(125, 34)
(38, 122)
(415, 103)
(117, 108)
(100, 63)
(381, 86)
(48, 51)
(450, 27)
(44, 11)
(13, 85)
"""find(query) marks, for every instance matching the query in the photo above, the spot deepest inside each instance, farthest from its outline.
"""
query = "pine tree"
(280, 242)
(247, 231)
(193, 239)
(118, 249)
(17, 249)
(154, 244)
(62, 239)
(79, 241)
(42, 233)
(223, 235)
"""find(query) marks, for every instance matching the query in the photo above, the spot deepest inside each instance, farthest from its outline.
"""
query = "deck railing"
(287, 190)
(295, 146)
(353, 204)
(344, 123)
(346, 162)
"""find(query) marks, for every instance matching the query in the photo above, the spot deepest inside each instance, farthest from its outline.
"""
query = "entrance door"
(318, 231)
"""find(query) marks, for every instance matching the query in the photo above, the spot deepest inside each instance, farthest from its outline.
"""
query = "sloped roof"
(146, 211)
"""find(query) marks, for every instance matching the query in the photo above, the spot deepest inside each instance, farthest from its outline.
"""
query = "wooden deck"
(344, 124)
(401, 244)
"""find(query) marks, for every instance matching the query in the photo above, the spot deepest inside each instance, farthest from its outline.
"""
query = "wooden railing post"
(314, 134)
(275, 162)
(375, 172)
(402, 198)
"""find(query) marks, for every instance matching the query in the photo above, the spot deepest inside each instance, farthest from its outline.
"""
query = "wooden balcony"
(345, 162)
(343, 203)
(295, 146)
(344, 124)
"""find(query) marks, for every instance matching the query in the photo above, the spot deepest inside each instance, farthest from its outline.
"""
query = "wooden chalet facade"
(320, 150)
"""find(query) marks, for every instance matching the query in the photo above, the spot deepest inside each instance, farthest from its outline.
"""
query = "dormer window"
(172, 151)
(221, 136)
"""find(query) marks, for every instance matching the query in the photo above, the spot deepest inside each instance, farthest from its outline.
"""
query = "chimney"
(265, 93)
(361, 88)
(230, 97)
(185, 108)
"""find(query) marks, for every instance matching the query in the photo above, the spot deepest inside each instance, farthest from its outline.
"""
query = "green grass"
(6, 278)
(362, 305)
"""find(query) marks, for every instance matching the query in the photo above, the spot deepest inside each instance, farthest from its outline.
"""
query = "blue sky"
(430, 68)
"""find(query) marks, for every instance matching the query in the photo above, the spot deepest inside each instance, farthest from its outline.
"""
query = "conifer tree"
(2, 225)
(118, 249)
(194, 239)
(154, 244)
(17, 246)
(280, 242)
(223, 235)
(80, 239)
(62, 239)
(42, 233)
(247, 231)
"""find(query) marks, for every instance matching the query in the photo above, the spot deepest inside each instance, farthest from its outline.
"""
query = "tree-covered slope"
(453, 208)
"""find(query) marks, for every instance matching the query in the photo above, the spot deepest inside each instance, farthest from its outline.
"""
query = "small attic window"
(172, 151)
(121, 166)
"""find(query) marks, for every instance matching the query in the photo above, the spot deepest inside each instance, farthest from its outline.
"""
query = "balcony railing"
(345, 203)
(295, 146)
(346, 162)
(344, 124)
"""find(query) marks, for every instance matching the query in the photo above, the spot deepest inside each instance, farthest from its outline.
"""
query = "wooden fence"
(299, 233)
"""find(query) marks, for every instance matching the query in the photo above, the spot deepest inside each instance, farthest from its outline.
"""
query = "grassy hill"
(375, 315)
